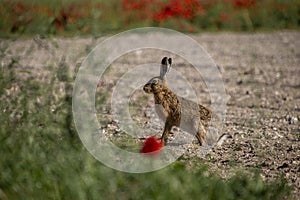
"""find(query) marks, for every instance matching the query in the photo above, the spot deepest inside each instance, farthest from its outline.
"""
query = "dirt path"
(261, 73)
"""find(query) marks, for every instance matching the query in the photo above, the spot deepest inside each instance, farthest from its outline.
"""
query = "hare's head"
(156, 84)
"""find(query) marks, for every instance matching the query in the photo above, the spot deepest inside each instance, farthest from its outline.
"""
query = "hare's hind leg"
(166, 133)
(201, 134)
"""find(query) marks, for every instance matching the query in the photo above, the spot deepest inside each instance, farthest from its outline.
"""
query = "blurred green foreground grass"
(42, 156)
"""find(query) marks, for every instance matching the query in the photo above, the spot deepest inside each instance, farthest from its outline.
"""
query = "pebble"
(293, 120)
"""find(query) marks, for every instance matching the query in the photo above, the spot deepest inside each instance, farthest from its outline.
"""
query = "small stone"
(284, 165)
(293, 120)
(277, 75)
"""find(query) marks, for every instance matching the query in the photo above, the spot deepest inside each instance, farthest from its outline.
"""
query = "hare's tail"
(222, 138)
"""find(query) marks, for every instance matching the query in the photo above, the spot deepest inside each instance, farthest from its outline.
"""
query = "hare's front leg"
(168, 127)
(201, 134)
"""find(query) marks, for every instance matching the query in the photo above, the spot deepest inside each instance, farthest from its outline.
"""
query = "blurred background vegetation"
(41, 154)
(96, 17)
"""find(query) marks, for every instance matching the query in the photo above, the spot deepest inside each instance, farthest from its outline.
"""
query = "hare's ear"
(165, 67)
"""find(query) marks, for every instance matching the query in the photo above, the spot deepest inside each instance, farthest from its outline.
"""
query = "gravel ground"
(261, 73)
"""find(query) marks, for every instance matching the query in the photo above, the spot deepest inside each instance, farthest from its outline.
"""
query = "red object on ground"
(151, 145)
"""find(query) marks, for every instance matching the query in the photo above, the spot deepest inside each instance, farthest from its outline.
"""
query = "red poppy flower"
(151, 145)
(244, 3)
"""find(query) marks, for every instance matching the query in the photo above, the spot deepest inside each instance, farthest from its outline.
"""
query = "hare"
(175, 110)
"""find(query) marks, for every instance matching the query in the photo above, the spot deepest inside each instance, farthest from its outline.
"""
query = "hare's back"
(191, 110)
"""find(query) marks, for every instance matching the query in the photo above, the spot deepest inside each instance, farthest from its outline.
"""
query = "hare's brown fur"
(195, 118)
(177, 111)
(171, 110)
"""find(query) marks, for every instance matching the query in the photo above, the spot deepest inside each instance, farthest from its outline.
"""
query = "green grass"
(42, 156)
